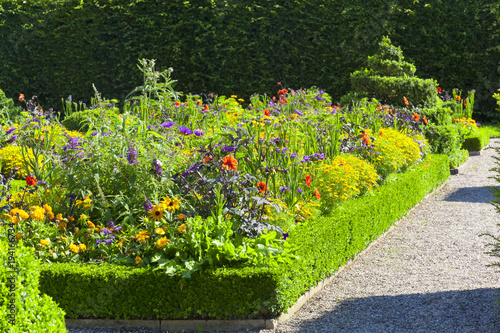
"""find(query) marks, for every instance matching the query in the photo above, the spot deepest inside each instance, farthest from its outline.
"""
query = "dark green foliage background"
(56, 48)
(324, 243)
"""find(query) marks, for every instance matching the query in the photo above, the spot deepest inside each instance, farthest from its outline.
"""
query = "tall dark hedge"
(58, 48)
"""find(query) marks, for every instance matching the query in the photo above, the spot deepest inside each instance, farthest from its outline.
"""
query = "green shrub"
(389, 79)
(81, 121)
(458, 157)
(444, 139)
(324, 243)
(476, 142)
(33, 312)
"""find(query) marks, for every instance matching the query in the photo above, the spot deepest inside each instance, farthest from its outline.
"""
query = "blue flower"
(293, 155)
(106, 231)
(299, 190)
(185, 130)
(94, 133)
(132, 156)
(285, 235)
(167, 124)
(227, 149)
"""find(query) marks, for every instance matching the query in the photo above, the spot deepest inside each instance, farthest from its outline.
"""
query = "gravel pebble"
(429, 273)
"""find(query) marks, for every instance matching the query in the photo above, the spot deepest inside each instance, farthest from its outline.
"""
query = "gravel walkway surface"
(427, 274)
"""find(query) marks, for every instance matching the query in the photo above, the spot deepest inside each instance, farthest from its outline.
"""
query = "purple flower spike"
(185, 130)
(111, 224)
(10, 131)
(132, 156)
(148, 205)
(167, 124)
(198, 132)
(106, 231)
(157, 170)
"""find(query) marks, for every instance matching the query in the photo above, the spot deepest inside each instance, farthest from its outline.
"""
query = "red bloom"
(21, 97)
(280, 92)
(439, 89)
(207, 159)
(308, 180)
(366, 140)
(230, 163)
(31, 181)
(177, 104)
(262, 187)
(205, 108)
(316, 193)
(416, 117)
(266, 112)
(285, 91)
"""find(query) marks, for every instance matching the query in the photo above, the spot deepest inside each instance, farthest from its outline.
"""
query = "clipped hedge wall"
(325, 244)
(20, 295)
(476, 142)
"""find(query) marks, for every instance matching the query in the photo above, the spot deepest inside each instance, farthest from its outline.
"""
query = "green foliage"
(324, 243)
(476, 142)
(446, 139)
(389, 79)
(19, 278)
(83, 120)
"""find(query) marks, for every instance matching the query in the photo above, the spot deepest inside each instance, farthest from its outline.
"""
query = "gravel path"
(427, 274)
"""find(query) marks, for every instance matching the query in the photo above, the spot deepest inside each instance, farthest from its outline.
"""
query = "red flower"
(262, 187)
(229, 163)
(316, 193)
(21, 97)
(280, 92)
(366, 140)
(416, 117)
(439, 89)
(457, 98)
(205, 108)
(285, 91)
(177, 104)
(31, 181)
(308, 180)
(266, 112)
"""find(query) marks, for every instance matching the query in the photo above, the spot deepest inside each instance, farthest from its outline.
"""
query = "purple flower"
(11, 140)
(106, 231)
(132, 156)
(107, 133)
(285, 235)
(284, 189)
(157, 170)
(111, 224)
(108, 241)
(227, 149)
(94, 133)
(198, 132)
(10, 131)
(117, 228)
(148, 205)
(185, 130)
(167, 124)
(299, 190)
(293, 155)
(35, 120)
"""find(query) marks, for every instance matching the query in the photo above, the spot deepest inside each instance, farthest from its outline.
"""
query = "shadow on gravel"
(450, 311)
(478, 194)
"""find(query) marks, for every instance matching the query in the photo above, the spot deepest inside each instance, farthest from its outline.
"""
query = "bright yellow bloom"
(82, 247)
(83, 217)
(157, 212)
(159, 231)
(59, 217)
(171, 204)
(182, 228)
(44, 242)
(37, 212)
(138, 260)
(86, 202)
(47, 208)
(142, 236)
(162, 242)
(74, 248)
(17, 212)
(90, 224)
(64, 239)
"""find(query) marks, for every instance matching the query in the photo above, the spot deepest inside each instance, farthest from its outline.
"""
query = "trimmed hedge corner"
(476, 142)
(324, 244)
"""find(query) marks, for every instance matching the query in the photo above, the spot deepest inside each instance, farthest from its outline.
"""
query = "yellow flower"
(44, 242)
(19, 213)
(38, 213)
(90, 224)
(138, 260)
(181, 216)
(159, 231)
(82, 247)
(142, 236)
(59, 217)
(120, 243)
(162, 242)
(157, 212)
(47, 208)
(19, 236)
(74, 248)
(171, 204)
(182, 228)
(83, 217)
(86, 202)
(64, 239)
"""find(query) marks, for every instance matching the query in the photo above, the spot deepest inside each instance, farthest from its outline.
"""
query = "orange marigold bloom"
(262, 187)
(316, 193)
(199, 102)
(205, 108)
(21, 97)
(207, 159)
(229, 163)
(406, 101)
(416, 117)
(308, 180)
(457, 97)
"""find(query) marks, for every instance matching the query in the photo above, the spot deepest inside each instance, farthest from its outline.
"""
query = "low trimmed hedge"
(476, 142)
(325, 244)
(20, 295)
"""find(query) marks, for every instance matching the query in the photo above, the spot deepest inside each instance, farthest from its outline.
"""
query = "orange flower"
(31, 181)
(308, 180)
(316, 193)
(199, 102)
(207, 159)
(205, 108)
(285, 91)
(425, 120)
(177, 104)
(21, 97)
(366, 140)
(416, 117)
(266, 112)
(406, 101)
(438, 90)
(280, 92)
(381, 132)
(262, 187)
(457, 98)
(229, 163)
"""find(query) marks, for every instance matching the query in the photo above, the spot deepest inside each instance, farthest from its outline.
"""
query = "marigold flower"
(31, 181)
(205, 108)
(230, 163)
(82, 247)
(90, 224)
(308, 180)
(457, 98)
(262, 187)
(162, 242)
(44, 242)
(316, 193)
(62, 226)
(199, 102)
(59, 217)
(425, 120)
(416, 117)
(19, 213)
(138, 260)
(182, 228)
(74, 248)
(181, 216)
(207, 159)
(37, 212)
(159, 231)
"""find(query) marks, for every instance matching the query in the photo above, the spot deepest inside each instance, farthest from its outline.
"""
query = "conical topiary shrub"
(390, 79)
